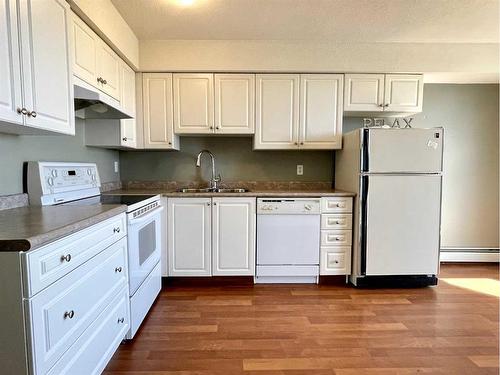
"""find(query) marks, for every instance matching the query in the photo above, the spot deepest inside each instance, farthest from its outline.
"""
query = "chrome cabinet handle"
(211, 127)
(118, 269)
(170, 143)
(215, 204)
(99, 79)
(69, 314)
(296, 143)
(208, 204)
(124, 139)
(32, 114)
(380, 105)
(217, 127)
(104, 82)
(301, 143)
(22, 111)
(336, 262)
(121, 320)
(386, 105)
(116, 230)
(66, 258)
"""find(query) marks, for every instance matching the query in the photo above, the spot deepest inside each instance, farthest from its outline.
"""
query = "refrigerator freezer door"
(403, 150)
(402, 224)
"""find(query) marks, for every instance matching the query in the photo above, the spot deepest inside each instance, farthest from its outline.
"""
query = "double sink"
(211, 190)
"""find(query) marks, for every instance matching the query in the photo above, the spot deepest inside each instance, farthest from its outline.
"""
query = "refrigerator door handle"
(364, 222)
(365, 154)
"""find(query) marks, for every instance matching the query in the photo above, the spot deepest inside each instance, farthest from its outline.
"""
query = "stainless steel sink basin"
(208, 190)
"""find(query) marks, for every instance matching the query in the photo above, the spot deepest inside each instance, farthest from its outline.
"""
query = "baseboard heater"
(457, 254)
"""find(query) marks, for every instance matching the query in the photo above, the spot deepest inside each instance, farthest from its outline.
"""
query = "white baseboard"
(469, 255)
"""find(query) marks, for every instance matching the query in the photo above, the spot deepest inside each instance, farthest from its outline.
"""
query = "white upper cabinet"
(277, 111)
(392, 93)
(233, 236)
(10, 65)
(41, 93)
(234, 103)
(85, 43)
(321, 111)
(157, 111)
(193, 103)
(403, 93)
(364, 92)
(127, 101)
(189, 237)
(108, 67)
(94, 61)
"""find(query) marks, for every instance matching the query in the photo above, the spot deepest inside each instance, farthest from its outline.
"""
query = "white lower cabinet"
(233, 236)
(211, 236)
(69, 301)
(336, 236)
(189, 222)
(93, 350)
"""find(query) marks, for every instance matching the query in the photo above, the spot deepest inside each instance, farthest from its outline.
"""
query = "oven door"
(144, 246)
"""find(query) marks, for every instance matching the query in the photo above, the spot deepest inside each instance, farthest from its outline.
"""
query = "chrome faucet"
(215, 180)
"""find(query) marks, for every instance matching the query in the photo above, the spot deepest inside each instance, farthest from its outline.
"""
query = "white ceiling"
(408, 21)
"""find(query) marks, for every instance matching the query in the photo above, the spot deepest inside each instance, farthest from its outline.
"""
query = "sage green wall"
(14, 150)
(469, 115)
(235, 160)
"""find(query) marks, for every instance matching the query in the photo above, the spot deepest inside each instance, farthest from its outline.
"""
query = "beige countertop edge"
(255, 193)
(39, 240)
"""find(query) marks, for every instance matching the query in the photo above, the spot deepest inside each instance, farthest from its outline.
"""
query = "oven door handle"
(146, 217)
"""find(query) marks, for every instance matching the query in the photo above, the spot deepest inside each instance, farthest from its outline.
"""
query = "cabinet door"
(234, 103)
(189, 252)
(108, 68)
(193, 103)
(157, 111)
(364, 92)
(403, 92)
(10, 67)
(321, 111)
(84, 48)
(128, 132)
(233, 234)
(277, 111)
(47, 68)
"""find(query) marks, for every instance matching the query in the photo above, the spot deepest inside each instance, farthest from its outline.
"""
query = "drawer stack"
(77, 299)
(336, 236)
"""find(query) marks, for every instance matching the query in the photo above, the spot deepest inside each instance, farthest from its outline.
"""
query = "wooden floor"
(311, 329)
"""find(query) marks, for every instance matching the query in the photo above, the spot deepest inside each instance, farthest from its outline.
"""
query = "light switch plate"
(300, 169)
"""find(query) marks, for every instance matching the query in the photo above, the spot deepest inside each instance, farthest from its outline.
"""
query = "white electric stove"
(59, 183)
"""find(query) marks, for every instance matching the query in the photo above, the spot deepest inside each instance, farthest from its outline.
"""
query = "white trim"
(469, 256)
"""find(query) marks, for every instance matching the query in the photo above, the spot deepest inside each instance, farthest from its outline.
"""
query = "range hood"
(90, 103)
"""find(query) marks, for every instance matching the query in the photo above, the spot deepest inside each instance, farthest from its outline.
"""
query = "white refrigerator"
(397, 177)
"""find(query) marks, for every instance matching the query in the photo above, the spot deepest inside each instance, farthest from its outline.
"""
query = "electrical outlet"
(116, 167)
(300, 169)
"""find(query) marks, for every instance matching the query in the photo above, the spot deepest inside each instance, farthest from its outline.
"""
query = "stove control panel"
(57, 181)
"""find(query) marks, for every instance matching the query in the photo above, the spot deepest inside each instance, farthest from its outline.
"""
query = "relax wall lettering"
(405, 123)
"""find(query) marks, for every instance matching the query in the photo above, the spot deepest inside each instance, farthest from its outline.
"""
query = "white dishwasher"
(288, 240)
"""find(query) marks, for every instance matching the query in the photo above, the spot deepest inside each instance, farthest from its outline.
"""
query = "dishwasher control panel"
(288, 206)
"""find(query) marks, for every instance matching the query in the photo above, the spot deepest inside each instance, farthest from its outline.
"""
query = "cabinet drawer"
(62, 312)
(95, 347)
(53, 261)
(336, 221)
(335, 261)
(336, 204)
(336, 237)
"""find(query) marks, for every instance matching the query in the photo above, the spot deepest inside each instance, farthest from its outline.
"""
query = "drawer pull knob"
(66, 258)
(118, 269)
(337, 222)
(338, 238)
(69, 314)
(116, 230)
(336, 262)
(121, 320)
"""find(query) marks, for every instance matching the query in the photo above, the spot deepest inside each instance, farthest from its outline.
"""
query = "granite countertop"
(251, 193)
(27, 228)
